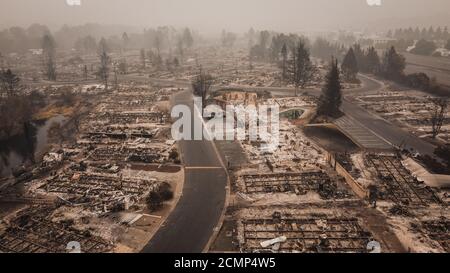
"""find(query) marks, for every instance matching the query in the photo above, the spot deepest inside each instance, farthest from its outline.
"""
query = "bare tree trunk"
(438, 115)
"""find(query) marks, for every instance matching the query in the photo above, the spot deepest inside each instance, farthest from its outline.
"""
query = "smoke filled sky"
(236, 15)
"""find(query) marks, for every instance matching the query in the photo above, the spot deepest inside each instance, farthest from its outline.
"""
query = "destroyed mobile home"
(301, 198)
(80, 192)
(113, 173)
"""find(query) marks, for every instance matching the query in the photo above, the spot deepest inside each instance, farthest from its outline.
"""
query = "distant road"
(437, 67)
(191, 224)
(380, 127)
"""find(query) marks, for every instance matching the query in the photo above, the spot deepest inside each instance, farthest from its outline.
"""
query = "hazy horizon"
(234, 15)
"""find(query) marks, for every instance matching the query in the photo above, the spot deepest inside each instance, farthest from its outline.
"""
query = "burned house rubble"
(412, 110)
(110, 177)
(120, 156)
(302, 198)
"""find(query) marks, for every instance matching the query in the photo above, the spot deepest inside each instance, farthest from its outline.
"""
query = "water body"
(27, 148)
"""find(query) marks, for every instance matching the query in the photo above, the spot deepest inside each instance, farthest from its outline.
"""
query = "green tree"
(393, 65)
(360, 57)
(350, 65)
(447, 46)
(424, 47)
(373, 61)
(331, 99)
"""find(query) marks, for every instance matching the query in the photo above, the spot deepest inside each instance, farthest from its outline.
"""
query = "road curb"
(217, 229)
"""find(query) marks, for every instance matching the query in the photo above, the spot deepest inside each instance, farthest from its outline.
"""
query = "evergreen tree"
(302, 70)
(331, 99)
(389, 34)
(447, 46)
(445, 34)
(416, 34)
(431, 33)
(360, 57)
(393, 65)
(423, 34)
(424, 47)
(350, 65)
(438, 34)
(373, 61)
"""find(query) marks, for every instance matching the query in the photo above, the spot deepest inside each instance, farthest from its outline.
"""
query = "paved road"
(360, 135)
(191, 224)
(385, 130)
(437, 67)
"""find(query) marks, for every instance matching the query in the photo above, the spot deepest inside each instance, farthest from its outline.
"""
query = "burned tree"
(10, 83)
(158, 41)
(85, 72)
(180, 47)
(103, 72)
(438, 115)
(49, 54)
(284, 54)
(202, 85)
(143, 59)
(301, 68)
(102, 47)
(228, 39)
(188, 40)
